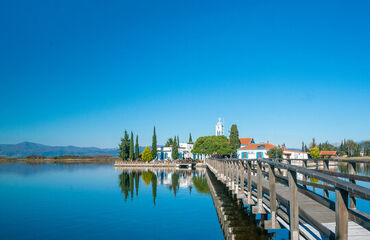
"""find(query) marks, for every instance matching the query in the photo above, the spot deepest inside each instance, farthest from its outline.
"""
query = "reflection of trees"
(200, 184)
(147, 177)
(154, 187)
(175, 183)
(126, 183)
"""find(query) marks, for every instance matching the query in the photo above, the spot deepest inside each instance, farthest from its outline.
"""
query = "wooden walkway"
(315, 217)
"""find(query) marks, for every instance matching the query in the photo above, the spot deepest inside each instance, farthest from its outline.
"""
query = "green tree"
(303, 146)
(315, 153)
(190, 138)
(154, 145)
(169, 142)
(213, 145)
(132, 153)
(313, 144)
(234, 137)
(175, 150)
(147, 155)
(137, 151)
(124, 147)
(275, 153)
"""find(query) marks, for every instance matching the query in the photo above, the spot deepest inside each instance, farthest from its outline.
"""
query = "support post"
(272, 223)
(249, 182)
(352, 170)
(341, 214)
(259, 208)
(293, 206)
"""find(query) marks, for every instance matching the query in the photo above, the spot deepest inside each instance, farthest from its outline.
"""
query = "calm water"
(56, 201)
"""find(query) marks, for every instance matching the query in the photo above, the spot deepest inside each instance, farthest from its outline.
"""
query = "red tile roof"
(328, 153)
(259, 146)
(245, 141)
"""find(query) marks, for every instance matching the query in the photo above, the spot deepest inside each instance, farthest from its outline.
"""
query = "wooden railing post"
(293, 206)
(241, 177)
(326, 168)
(272, 223)
(341, 214)
(304, 178)
(249, 182)
(352, 170)
(259, 208)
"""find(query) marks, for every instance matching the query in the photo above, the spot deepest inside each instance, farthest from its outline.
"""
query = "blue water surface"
(57, 201)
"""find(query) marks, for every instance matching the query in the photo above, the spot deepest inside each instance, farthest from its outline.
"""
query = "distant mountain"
(25, 149)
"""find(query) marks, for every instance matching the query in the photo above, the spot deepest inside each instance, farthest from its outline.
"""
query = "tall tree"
(137, 151)
(132, 153)
(124, 147)
(154, 144)
(303, 146)
(169, 142)
(234, 137)
(190, 138)
(175, 150)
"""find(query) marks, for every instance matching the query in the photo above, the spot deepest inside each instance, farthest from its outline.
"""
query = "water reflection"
(174, 179)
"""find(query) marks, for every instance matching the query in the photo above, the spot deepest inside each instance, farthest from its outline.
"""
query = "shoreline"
(64, 161)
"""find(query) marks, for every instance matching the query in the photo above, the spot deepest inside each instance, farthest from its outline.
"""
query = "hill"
(25, 149)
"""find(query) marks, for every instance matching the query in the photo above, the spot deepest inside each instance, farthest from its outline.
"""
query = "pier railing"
(238, 174)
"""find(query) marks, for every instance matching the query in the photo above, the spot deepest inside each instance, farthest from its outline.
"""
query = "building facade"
(165, 153)
(254, 150)
(220, 128)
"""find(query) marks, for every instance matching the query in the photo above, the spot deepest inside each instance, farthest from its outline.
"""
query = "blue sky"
(80, 72)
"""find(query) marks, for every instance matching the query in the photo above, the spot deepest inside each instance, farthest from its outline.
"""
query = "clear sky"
(80, 72)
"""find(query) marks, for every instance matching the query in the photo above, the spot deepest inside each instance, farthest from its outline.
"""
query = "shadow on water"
(237, 221)
(129, 180)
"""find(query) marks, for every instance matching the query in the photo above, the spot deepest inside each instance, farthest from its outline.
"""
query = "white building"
(254, 151)
(165, 153)
(259, 151)
(291, 154)
(219, 128)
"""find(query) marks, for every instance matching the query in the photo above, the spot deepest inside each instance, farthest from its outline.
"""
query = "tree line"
(127, 151)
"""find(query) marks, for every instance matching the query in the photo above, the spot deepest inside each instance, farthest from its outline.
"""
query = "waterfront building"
(165, 153)
(259, 151)
(292, 154)
(220, 128)
(254, 150)
(328, 154)
(245, 141)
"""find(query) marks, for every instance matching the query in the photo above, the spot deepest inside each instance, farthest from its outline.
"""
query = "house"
(244, 141)
(292, 154)
(165, 153)
(255, 150)
(328, 153)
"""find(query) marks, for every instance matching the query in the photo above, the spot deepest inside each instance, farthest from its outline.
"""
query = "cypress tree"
(132, 153)
(137, 148)
(234, 137)
(302, 146)
(154, 144)
(190, 138)
(124, 147)
(175, 151)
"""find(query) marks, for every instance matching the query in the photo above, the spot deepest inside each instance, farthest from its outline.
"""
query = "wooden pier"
(280, 190)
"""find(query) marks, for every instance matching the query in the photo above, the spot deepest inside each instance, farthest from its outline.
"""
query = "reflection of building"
(165, 153)
(219, 128)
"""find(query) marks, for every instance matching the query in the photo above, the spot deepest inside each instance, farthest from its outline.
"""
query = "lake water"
(92, 201)
(56, 201)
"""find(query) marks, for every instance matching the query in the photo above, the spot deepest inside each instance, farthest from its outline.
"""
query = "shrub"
(147, 155)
